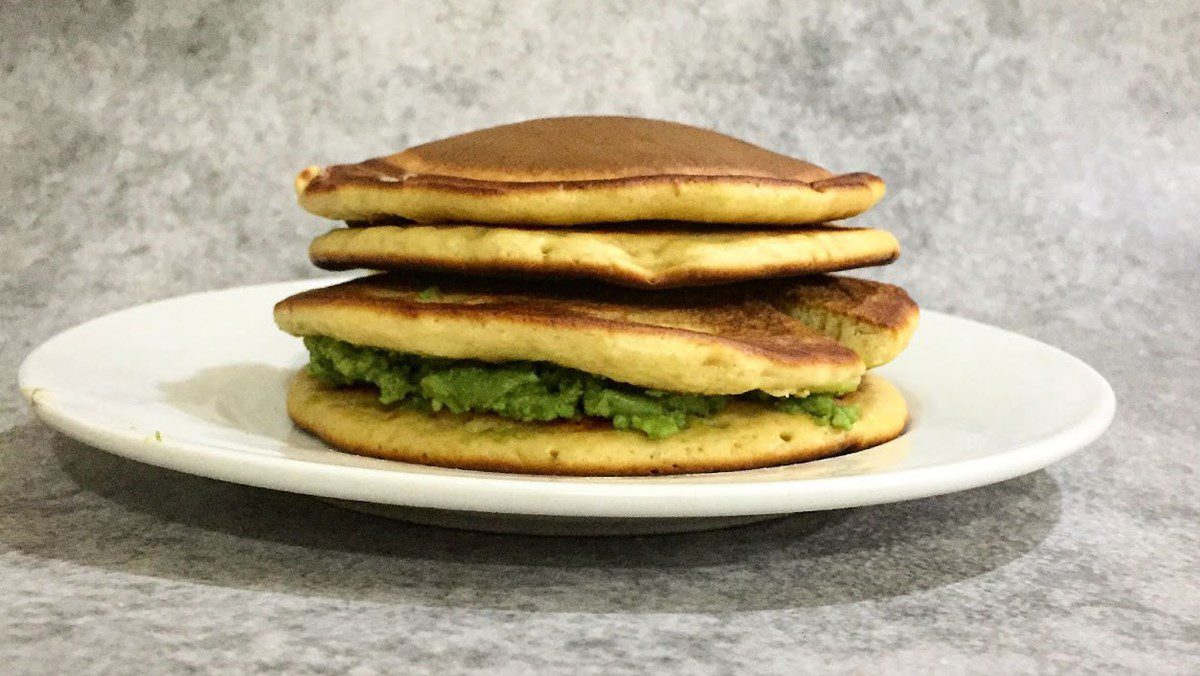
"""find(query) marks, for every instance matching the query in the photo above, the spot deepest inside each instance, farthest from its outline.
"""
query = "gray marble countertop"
(1043, 165)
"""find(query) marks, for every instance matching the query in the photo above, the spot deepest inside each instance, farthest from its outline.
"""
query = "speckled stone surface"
(1044, 167)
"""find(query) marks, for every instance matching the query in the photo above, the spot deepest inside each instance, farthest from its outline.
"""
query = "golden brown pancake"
(713, 340)
(573, 170)
(644, 256)
(874, 319)
(743, 436)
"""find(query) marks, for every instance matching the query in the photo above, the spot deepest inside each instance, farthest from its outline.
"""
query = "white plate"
(197, 384)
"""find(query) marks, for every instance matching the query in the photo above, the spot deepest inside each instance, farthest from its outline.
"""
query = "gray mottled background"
(1044, 173)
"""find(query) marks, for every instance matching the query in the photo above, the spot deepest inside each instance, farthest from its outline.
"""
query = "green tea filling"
(536, 391)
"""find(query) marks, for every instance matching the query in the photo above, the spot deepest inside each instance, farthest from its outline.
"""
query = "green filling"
(536, 391)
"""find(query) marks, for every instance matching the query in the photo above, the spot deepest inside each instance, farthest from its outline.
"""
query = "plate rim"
(494, 492)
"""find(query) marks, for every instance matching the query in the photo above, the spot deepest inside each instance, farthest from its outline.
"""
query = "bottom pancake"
(743, 436)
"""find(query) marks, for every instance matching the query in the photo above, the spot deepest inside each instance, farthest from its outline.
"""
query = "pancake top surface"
(573, 170)
(718, 340)
(598, 148)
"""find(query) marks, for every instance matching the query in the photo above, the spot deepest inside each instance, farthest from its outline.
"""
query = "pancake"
(743, 436)
(574, 170)
(646, 256)
(874, 319)
(715, 340)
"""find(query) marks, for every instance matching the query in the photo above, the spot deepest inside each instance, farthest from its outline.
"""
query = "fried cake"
(743, 436)
(569, 171)
(654, 255)
(874, 319)
(716, 340)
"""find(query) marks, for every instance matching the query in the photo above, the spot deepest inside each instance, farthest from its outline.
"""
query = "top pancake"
(716, 340)
(577, 170)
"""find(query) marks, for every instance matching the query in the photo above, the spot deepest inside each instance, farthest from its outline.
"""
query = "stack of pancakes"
(596, 296)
